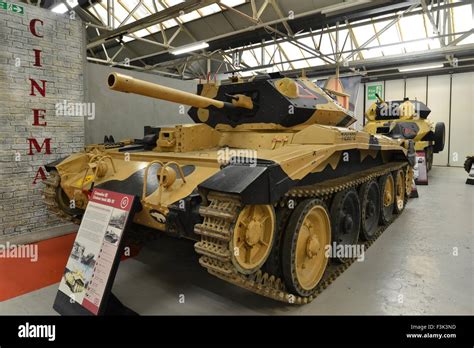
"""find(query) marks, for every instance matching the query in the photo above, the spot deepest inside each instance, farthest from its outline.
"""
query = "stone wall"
(27, 118)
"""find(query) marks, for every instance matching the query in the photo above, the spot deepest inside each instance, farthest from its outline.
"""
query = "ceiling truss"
(111, 40)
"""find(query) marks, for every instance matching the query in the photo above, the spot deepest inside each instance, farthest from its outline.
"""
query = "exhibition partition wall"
(41, 108)
(450, 98)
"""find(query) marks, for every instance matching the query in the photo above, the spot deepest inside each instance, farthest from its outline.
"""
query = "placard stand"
(421, 171)
(112, 306)
(86, 286)
(414, 190)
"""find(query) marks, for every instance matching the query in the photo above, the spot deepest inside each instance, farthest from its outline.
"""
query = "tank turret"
(397, 109)
(274, 101)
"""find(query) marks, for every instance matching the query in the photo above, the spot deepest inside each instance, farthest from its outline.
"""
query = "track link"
(219, 219)
(51, 197)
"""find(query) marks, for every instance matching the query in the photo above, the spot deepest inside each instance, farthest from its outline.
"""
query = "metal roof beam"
(462, 37)
(388, 26)
(168, 13)
(431, 19)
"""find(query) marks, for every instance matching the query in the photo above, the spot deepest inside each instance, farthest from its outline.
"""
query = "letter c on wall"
(33, 26)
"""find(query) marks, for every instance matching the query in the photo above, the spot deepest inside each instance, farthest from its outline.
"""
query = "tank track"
(222, 212)
(50, 197)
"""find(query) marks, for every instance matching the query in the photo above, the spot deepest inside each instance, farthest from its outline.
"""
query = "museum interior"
(236, 157)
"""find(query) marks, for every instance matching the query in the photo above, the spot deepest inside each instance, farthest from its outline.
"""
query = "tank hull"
(259, 174)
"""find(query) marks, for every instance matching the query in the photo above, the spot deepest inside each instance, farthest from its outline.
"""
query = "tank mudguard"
(52, 165)
(260, 184)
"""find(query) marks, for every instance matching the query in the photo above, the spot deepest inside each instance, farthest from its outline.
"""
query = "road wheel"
(369, 196)
(304, 257)
(400, 190)
(345, 219)
(387, 189)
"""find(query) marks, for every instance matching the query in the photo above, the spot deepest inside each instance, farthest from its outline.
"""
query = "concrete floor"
(410, 269)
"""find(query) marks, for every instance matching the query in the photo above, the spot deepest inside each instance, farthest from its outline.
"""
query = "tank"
(267, 181)
(75, 281)
(407, 119)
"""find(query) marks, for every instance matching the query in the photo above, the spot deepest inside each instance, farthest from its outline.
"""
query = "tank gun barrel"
(128, 84)
(379, 98)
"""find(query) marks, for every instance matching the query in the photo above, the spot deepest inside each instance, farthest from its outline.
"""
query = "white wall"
(462, 113)
(415, 88)
(394, 89)
(450, 100)
(438, 102)
(124, 115)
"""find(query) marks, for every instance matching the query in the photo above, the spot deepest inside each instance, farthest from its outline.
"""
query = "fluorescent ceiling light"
(420, 67)
(256, 70)
(342, 6)
(189, 48)
(61, 8)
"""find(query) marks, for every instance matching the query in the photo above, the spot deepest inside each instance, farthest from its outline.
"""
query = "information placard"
(91, 267)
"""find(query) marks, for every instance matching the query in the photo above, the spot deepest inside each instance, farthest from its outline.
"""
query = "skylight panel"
(208, 10)
(102, 12)
(327, 45)
(390, 36)
(364, 33)
(413, 29)
(170, 23)
(141, 12)
(308, 41)
(173, 2)
(119, 12)
(291, 51)
(300, 64)
(150, 6)
(232, 3)
(141, 33)
(463, 21)
(315, 62)
(248, 58)
(190, 16)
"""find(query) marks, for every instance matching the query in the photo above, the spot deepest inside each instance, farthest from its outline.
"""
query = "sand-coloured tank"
(266, 181)
(407, 119)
